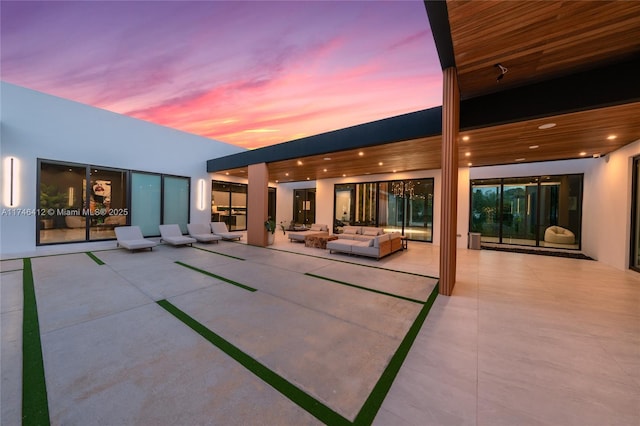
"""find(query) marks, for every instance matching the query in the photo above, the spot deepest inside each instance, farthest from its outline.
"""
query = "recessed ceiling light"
(344, 175)
(596, 155)
(227, 173)
(611, 137)
(582, 154)
(520, 159)
(286, 174)
(327, 158)
(361, 153)
(324, 170)
(299, 163)
(394, 171)
(467, 154)
(276, 180)
(469, 164)
(465, 138)
(242, 171)
(380, 163)
(534, 147)
(546, 126)
(308, 178)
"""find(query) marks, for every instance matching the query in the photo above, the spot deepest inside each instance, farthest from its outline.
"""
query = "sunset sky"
(247, 73)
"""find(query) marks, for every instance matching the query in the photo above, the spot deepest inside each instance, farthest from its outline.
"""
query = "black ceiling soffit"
(438, 15)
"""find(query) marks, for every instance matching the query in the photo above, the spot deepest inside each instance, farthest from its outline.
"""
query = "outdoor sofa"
(366, 241)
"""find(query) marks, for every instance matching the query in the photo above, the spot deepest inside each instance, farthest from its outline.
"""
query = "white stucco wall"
(607, 217)
(35, 125)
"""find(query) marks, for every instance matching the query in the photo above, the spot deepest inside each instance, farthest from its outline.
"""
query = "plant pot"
(270, 238)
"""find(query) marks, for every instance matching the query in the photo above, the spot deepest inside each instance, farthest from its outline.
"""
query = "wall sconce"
(11, 182)
(71, 197)
(201, 194)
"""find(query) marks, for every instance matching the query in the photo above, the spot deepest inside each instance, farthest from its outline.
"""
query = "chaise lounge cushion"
(202, 232)
(173, 235)
(220, 228)
(130, 237)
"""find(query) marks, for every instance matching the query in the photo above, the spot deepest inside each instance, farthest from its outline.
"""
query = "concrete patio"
(524, 340)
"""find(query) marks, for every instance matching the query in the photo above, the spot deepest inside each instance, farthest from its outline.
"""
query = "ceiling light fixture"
(308, 178)
(227, 173)
(286, 174)
(299, 163)
(394, 171)
(469, 164)
(520, 159)
(611, 137)
(503, 71)
(344, 175)
(534, 147)
(327, 158)
(465, 138)
(361, 153)
(324, 170)
(546, 126)
(467, 154)
(596, 155)
(276, 180)
(380, 163)
(582, 154)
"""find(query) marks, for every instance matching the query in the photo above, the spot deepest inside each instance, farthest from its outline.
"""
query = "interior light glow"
(11, 182)
(201, 194)
(611, 137)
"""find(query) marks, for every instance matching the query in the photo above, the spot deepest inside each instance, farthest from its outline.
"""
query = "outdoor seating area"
(130, 237)
(315, 228)
(172, 234)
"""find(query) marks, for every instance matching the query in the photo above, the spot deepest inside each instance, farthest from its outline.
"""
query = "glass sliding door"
(146, 202)
(528, 211)
(396, 206)
(238, 217)
(560, 206)
(418, 194)
(304, 206)
(107, 195)
(63, 216)
(635, 217)
(485, 205)
(229, 204)
(176, 192)
(519, 211)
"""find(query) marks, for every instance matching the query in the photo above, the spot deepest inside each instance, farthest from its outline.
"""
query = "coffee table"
(318, 240)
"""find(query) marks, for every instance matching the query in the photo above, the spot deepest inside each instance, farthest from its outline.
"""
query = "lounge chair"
(220, 228)
(130, 237)
(173, 235)
(202, 233)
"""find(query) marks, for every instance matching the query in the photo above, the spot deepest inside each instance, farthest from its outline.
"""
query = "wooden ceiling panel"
(538, 40)
(574, 133)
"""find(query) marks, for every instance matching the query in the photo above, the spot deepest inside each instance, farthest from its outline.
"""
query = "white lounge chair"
(202, 233)
(130, 237)
(173, 235)
(220, 228)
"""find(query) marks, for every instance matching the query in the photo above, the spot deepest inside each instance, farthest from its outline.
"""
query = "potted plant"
(270, 226)
(50, 202)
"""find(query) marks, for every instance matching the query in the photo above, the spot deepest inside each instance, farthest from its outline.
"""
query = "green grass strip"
(35, 409)
(95, 258)
(365, 288)
(217, 252)
(218, 277)
(352, 263)
(295, 394)
(371, 406)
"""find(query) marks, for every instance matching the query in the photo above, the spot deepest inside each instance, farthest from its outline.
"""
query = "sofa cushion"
(351, 230)
(375, 242)
(372, 232)
(319, 227)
